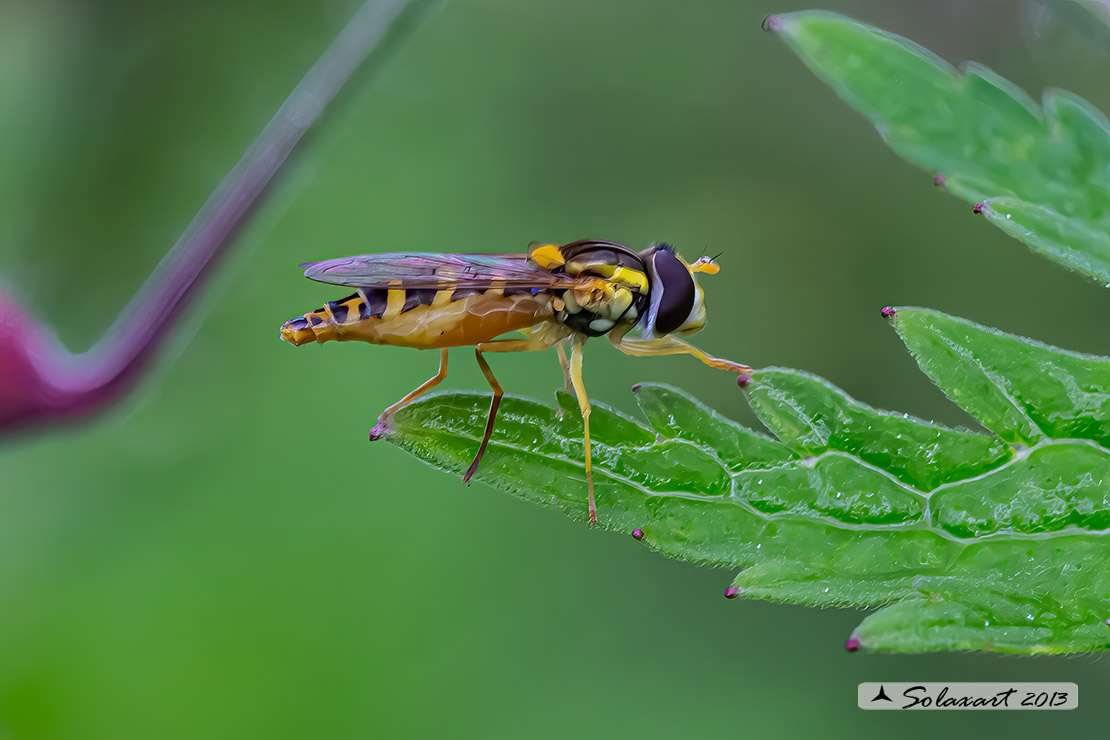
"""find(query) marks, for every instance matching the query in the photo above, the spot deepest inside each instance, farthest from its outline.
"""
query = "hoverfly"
(552, 295)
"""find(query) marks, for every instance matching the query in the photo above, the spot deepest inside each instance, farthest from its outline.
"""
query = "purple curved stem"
(41, 381)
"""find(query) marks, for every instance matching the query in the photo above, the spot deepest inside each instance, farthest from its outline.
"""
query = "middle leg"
(567, 385)
(584, 407)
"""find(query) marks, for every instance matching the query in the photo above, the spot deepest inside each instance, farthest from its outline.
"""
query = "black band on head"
(677, 286)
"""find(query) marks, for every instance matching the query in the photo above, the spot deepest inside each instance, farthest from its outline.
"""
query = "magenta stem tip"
(380, 430)
(978, 208)
(852, 644)
(637, 534)
(732, 592)
(888, 312)
(743, 379)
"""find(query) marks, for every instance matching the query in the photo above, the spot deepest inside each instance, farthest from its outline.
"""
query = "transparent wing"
(434, 270)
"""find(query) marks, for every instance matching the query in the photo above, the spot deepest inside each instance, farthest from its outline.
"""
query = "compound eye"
(677, 286)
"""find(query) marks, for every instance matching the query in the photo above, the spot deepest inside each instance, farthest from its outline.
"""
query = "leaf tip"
(888, 312)
(852, 644)
(743, 379)
(938, 180)
(636, 388)
(732, 592)
(637, 534)
(772, 22)
(978, 208)
(380, 430)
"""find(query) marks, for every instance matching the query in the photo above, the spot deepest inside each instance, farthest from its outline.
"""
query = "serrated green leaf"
(1034, 596)
(1071, 241)
(671, 413)
(811, 415)
(1020, 389)
(976, 541)
(1042, 170)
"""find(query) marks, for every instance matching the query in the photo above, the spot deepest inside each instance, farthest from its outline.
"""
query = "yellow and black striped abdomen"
(420, 318)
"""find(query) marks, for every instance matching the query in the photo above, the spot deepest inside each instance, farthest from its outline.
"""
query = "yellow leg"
(428, 384)
(507, 345)
(675, 346)
(566, 368)
(584, 406)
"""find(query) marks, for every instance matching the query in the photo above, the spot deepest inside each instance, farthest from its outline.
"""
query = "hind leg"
(427, 385)
(504, 345)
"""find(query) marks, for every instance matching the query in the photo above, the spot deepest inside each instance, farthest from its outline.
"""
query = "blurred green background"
(225, 556)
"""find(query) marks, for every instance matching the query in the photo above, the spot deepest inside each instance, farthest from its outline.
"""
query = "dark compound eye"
(677, 285)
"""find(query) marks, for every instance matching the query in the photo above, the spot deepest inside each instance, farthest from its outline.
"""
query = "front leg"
(669, 345)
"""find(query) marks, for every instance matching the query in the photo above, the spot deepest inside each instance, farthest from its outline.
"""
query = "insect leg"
(509, 345)
(428, 384)
(675, 346)
(584, 406)
(566, 368)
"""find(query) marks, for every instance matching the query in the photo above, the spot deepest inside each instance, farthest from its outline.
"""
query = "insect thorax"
(617, 294)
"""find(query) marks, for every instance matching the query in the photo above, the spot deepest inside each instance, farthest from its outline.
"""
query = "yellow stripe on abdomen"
(395, 302)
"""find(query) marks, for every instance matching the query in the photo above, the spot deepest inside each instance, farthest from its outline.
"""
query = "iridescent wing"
(434, 270)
